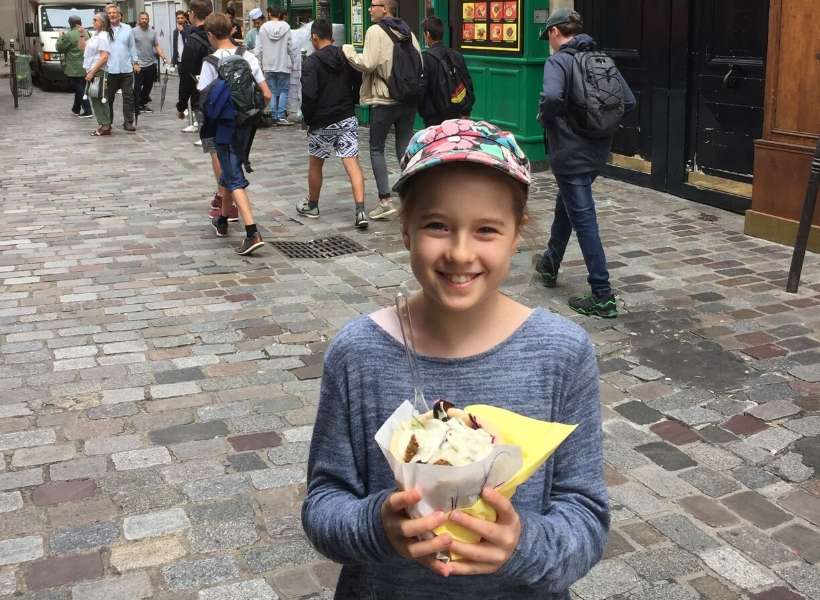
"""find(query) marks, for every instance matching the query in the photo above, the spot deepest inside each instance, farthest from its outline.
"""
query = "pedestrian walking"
(71, 44)
(448, 87)
(257, 19)
(274, 50)
(95, 57)
(196, 48)
(330, 92)
(148, 51)
(463, 191)
(223, 122)
(121, 68)
(577, 154)
(178, 40)
(387, 110)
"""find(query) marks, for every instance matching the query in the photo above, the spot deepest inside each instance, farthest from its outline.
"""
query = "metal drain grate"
(326, 247)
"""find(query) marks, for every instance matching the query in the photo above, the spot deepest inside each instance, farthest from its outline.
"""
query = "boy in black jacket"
(440, 102)
(330, 91)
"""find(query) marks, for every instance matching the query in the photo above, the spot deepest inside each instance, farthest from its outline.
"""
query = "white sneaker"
(198, 143)
(190, 129)
(382, 211)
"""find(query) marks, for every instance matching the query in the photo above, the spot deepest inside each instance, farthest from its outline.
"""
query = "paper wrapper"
(528, 444)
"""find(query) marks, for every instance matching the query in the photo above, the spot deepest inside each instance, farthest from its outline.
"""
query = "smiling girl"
(463, 190)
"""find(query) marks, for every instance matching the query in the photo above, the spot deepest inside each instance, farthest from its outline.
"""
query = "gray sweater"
(274, 48)
(545, 370)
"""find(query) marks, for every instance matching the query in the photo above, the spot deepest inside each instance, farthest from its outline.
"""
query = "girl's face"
(461, 234)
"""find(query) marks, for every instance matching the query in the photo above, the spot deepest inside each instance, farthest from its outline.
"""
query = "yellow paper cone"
(537, 440)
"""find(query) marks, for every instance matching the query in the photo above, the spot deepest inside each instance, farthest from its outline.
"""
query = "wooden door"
(636, 34)
(726, 85)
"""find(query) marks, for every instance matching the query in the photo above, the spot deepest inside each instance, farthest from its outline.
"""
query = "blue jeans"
(575, 209)
(278, 84)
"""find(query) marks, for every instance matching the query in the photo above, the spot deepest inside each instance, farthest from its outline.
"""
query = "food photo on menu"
(496, 11)
(510, 11)
(480, 11)
(467, 11)
(497, 32)
(510, 33)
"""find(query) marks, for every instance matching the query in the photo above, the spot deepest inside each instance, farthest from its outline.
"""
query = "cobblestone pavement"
(157, 391)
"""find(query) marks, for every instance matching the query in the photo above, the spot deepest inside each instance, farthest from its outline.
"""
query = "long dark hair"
(106, 24)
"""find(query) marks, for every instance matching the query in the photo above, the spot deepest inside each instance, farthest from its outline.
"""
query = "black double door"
(697, 70)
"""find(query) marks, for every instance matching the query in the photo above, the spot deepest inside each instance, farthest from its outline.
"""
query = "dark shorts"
(233, 177)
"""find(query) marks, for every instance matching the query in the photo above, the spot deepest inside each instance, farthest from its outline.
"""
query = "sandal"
(100, 131)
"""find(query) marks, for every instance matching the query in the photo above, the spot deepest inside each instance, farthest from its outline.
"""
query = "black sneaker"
(249, 244)
(605, 307)
(146, 109)
(546, 268)
(220, 227)
(361, 219)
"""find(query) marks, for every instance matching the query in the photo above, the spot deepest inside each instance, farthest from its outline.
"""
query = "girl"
(95, 57)
(463, 190)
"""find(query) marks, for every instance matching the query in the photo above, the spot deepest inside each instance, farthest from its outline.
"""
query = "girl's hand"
(498, 540)
(403, 531)
(89, 76)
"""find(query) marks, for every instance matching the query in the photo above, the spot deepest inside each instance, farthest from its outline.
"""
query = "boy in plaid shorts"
(330, 91)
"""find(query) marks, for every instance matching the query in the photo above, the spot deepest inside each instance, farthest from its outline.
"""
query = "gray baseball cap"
(559, 16)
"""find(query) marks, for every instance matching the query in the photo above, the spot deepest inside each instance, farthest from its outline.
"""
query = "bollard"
(804, 228)
(13, 58)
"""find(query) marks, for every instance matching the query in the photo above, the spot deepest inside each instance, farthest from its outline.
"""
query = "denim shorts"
(208, 145)
(230, 160)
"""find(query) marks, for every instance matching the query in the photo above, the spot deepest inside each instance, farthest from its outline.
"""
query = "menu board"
(489, 26)
(357, 22)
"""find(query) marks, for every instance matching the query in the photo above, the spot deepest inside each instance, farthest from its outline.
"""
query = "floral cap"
(463, 140)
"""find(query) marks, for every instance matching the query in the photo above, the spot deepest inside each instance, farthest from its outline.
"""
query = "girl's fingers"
(479, 553)
(435, 565)
(463, 567)
(411, 528)
(502, 505)
(400, 501)
(485, 529)
(428, 547)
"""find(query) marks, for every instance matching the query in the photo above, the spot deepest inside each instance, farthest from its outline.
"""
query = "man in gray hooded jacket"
(273, 49)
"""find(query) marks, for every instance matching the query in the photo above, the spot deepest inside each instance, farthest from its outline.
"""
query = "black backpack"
(595, 95)
(406, 81)
(236, 73)
(452, 92)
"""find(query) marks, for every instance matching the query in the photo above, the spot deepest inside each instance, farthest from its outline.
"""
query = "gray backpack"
(595, 94)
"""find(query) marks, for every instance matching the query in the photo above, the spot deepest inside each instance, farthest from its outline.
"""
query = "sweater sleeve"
(552, 103)
(561, 545)
(339, 518)
(310, 90)
(373, 54)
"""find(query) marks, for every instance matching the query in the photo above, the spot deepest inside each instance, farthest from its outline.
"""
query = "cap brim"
(457, 156)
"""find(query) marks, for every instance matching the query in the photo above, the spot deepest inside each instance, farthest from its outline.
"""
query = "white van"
(43, 21)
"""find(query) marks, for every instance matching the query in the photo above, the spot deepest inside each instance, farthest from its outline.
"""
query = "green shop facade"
(499, 40)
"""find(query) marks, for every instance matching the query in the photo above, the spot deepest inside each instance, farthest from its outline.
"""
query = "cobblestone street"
(157, 391)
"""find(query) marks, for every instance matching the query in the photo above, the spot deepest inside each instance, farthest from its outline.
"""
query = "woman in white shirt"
(96, 50)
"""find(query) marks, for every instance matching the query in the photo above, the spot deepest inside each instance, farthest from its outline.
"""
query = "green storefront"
(500, 43)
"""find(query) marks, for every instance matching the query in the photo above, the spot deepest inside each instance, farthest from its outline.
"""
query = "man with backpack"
(330, 91)
(234, 94)
(583, 100)
(392, 86)
(448, 86)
